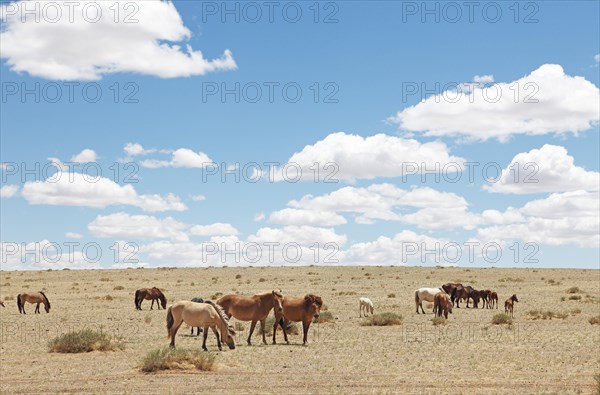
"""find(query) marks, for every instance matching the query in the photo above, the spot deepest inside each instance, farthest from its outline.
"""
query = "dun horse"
(197, 300)
(153, 294)
(509, 305)
(33, 297)
(254, 308)
(365, 305)
(442, 304)
(207, 315)
(297, 309)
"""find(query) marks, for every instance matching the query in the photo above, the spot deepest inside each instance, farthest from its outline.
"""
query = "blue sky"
(365, 60)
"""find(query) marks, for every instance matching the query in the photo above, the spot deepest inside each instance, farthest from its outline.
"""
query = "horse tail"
(137, 294)
(19, 305)
(170, 321)
(45, 297)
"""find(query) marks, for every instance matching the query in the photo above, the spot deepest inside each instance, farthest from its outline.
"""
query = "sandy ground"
(468, 355)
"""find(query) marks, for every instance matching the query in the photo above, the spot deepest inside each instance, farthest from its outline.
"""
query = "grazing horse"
(150, 294)
(441, 303)
(253, 308)
(33, 297)
(493, 299)
(485, 297)
(206, 315)
(297, 309)
(464, 293)
(197, 300)
(425, 294)
(509, 305)
(365, 305)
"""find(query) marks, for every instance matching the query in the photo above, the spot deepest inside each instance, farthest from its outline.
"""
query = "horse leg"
(152, 305)
(205, 335)
(262, 329)
(37, 309)
(252, 326)
(174, 330)
(283, 324)
(218, 338)
(305, 326)
(421, 304)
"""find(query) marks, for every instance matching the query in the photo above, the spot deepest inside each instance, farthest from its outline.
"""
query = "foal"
(509, 304)
(365, 305)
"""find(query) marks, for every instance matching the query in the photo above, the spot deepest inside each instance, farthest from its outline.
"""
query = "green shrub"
(383, 319)
(84, 341)
(177, 358)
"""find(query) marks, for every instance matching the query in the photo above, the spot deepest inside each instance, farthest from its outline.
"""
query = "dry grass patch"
(595, 320)
(325, 316)
(383, 319)
(573, 290)
(575, 297)
(392, 295)
(119, 288)
(439, 321)
(500, 319)
(85, 341)
(545, 315)
(177, 358)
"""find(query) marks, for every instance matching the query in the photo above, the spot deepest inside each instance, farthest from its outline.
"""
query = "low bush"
(177, 358)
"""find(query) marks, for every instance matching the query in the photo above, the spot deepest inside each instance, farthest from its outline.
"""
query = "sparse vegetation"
(573, 290)
(383, 319)
(108, 297)
(392, 295)
(595, 320)
(238, 276)
(147, 319)
(325, 317)
(177, 358)
(104, 279)
(501, 318)
(216, 295)
(119, 288)
(545, 315)
(439, 321)
(85, 341)
(575, 297)
(261, 280)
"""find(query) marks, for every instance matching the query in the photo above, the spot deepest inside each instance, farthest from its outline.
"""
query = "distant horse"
(493, 299)
(449, 287)
(365, 305)
(297, 309)
(441, 303)
(150, 294)
(197, 300)
(464, 293)
(206, 315)
(33, 297)
(253, 308)
(485, 297)
(509, 305)
(425, 294)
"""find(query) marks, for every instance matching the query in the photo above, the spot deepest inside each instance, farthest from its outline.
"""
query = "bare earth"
(469, 355)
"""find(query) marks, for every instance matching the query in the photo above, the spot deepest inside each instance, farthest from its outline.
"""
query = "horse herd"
(450, 294)
(205, 314)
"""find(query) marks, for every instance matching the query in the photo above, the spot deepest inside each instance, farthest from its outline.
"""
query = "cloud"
(597, 58)
(216, 229)
(135, 149)
(85, 156)
(291, 216)
(435, 209)
(7, 191)
(483, 79)
(73, 235)
(352, 157)
(74, 189)
(85, 49)
(548, 101)
(182, 157)
(548, 169)
(123, 225)
(198, 198)
(259, 217)
(560, 219)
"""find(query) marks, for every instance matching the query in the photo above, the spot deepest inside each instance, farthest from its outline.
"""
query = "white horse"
(425, 294)
(365, 304)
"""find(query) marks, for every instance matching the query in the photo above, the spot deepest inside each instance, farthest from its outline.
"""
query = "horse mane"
(223, 315)
(45, 297)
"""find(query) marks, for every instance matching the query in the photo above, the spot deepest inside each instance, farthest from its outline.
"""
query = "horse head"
(277, 301)
(313, 304)
(230, 339)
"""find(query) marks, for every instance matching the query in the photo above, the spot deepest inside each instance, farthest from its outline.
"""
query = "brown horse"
(253, 308)
(297, 309)
(464, 293)
(509, 305)
(449, 287)
(150, 294)
(441, 303)
(206, 315)
(33, 297)
(493, 299)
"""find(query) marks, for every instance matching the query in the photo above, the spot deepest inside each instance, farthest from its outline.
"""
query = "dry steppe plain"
(468, 355)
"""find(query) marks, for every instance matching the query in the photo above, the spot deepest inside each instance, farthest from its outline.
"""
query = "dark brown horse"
(254, 308)
(449, 287)
(153, 294)
(442, 304)
(493, 299)
(33, 297)
(464, 293)
(509, 305)
(297, 309)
